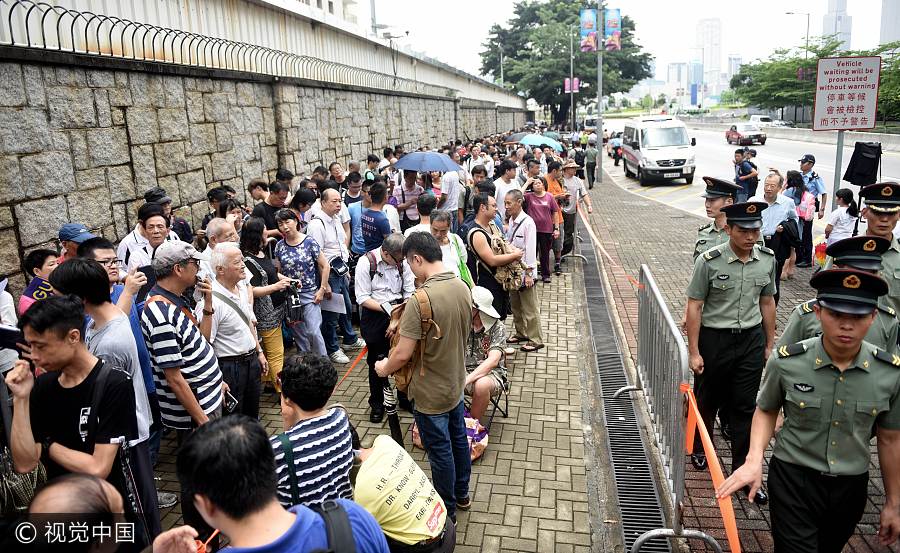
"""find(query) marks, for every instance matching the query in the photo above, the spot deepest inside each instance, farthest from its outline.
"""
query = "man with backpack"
(227, 469)
(438, 376)
(745, 176)
(383, 281)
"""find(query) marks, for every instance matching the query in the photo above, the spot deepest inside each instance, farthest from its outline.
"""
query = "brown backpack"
(403, 376)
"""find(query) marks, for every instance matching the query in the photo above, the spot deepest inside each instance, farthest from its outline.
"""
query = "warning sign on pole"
(846, 93)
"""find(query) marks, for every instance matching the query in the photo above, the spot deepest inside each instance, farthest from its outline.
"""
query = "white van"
(762, 121)
(658, 148)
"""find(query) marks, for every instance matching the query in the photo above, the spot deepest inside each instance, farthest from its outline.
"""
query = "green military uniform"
(890, 271)
(708, 237)
(803, 324)
(818, 475)
(864, 253)
(731, 339)
(884, 197)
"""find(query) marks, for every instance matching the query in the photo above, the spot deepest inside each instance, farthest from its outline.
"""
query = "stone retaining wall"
(82, 144)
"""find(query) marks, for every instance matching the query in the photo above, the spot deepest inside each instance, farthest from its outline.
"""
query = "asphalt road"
(715, 158)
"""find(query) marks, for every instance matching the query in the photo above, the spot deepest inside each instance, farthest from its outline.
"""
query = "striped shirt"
(173, 340)
(323, 456)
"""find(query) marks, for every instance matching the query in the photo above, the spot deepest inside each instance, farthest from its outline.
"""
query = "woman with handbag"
(543, 208)
(268, 296)
(302, 261)
(805, 203)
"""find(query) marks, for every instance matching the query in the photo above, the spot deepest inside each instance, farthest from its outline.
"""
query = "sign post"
(846, 99)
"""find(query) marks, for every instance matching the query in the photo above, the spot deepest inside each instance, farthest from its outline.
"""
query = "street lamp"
(806, 54)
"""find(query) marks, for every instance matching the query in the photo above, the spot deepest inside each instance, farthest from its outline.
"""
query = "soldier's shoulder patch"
(704, 227)
(712, 254)
(807, 306)
(766, 250)
(889, 358)
(791, 350)
(889, 310)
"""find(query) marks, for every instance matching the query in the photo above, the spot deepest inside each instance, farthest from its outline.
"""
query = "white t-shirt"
(501, 188)
(450, 187)
(421, 227)
(393, 217)
(842, 225)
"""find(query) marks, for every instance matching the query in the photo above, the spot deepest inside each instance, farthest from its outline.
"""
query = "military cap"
(718, 188)
(859, 252)
(745, 215)
(883, 197)
(848, 290)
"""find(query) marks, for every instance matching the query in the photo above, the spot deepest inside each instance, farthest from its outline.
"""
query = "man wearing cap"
(837, 391)
(862, 253)
(576, 193)
(781, 209)
(718, 194)
(881, 212)
(179, 226)
(731, 324)
(487, 375)
(71, 235)
(189, 384)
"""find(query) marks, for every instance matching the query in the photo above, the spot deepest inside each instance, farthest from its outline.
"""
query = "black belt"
(241, 356)
(731, 330)
(815, 472)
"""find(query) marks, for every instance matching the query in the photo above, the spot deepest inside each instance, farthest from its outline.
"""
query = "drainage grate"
(635, 481)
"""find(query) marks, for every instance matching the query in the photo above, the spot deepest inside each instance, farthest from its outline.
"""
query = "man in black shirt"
(278, 193)
(59, 418)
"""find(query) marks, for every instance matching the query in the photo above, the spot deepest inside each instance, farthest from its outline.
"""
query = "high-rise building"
(696, 73)
(837, 22)
(890, 21)
(709, 42)
(677, 74)
(734, 65)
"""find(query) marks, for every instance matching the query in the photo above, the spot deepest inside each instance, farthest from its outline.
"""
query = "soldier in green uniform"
(862, 253)
(731, 324)
(881, 212)
(719, 193)
(836, 391)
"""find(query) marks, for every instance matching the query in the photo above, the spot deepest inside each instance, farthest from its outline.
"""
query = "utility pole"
(501, 68)
(572, 77)
(601, 45)
(805, 53)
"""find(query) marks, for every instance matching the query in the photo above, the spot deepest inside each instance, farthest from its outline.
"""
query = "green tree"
(647, 101)
(661, 101)
(788, 77)
(535, 46)
(625, 104)
(728, 97)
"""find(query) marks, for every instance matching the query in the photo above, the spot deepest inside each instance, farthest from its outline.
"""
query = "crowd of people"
(179, 331)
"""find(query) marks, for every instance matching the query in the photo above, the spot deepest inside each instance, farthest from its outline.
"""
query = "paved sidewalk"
(637, 230)
(530, 487)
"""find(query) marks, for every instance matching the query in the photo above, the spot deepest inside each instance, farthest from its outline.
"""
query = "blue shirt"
(375, 227)
(134, 317)
(816, 186)
(308, 533)
(356, 236)
(776, 213)
(742, 169)
(615, 142)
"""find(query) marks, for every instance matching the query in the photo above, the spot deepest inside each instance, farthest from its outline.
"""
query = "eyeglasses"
(110, 263)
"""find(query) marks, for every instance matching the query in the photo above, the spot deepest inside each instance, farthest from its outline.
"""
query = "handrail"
(67, 30)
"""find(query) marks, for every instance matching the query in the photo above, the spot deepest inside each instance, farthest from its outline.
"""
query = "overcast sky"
(454, 31)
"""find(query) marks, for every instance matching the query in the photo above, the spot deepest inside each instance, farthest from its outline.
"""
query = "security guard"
(881, 211)
(719, 193)
(862, 253)
(731, 324)
(836, 391)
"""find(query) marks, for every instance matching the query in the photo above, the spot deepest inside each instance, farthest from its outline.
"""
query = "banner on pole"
(846, 93)
(571, 85)
(588, 27)
(612, 32)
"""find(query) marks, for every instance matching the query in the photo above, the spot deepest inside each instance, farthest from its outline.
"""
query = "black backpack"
(579, 157)
(337, 528)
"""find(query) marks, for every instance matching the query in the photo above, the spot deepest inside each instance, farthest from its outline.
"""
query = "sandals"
(515, 339)
(531, 347)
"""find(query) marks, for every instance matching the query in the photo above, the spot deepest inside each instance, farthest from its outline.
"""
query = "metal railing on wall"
(30, 24)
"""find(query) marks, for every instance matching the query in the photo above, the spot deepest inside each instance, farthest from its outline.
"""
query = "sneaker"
(339, 357)
(166, 499)
(557, 269)
(358, 344)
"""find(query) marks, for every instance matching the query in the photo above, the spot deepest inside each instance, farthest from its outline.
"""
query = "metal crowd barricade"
(662, 368)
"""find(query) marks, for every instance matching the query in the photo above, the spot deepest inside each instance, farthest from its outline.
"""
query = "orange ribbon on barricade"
(695, 423)
(362, 352)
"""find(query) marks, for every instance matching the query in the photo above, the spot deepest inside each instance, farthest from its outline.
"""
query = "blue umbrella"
(540, 140)
(424, 162)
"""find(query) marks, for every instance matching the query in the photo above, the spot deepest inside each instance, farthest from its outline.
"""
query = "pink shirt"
(541, 210)
(403, 194)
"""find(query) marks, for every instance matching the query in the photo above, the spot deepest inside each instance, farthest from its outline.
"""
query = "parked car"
(761, 121)
(658, 148)
(745, 133)
(783, 123)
